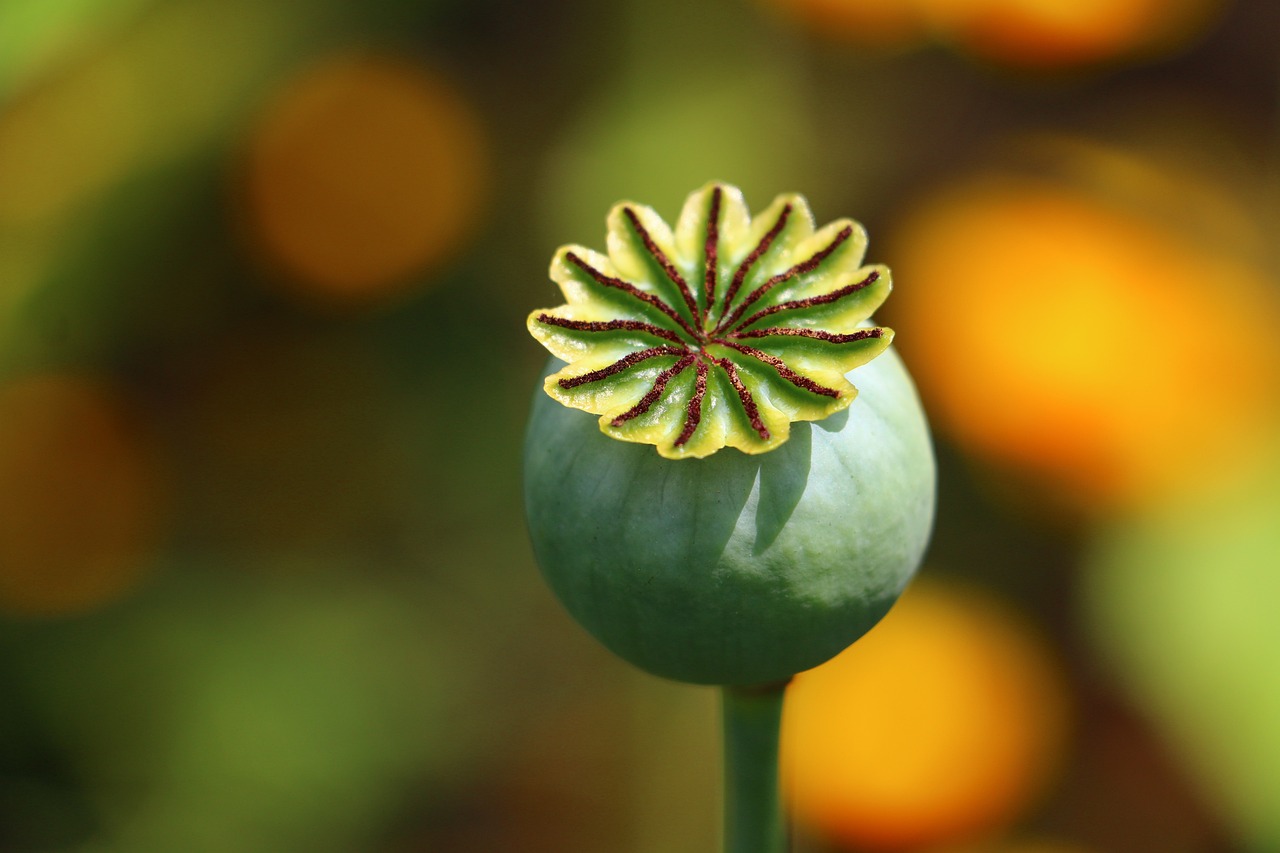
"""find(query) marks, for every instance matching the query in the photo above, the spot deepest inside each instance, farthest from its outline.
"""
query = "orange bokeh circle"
(1081, 342)
(364, 173)
(943, 723)
(1024, 33)
(1064, 33)
(79, 497)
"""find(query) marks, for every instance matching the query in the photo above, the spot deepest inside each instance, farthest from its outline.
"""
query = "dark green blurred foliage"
(339, 641)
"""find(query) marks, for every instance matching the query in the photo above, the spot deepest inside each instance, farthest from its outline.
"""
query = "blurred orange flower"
(364, 173)
(1020, 33)
(1065, 33)
(79, 496)
(943, 723)
(1090, 343)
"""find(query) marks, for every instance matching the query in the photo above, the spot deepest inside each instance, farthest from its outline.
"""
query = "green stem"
(753, 820)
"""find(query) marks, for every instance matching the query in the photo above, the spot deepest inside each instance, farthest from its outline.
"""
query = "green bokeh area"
(333, 637)
(241, 713)
(1182, 603)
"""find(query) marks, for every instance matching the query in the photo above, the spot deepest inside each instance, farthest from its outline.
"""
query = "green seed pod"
(725, 568)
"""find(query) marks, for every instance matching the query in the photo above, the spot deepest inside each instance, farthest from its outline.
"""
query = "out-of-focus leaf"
(1182, 608)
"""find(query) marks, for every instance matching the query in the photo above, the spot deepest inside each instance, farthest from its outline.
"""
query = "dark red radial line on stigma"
(631, 290)
(779, 365)
(815, 334)
(611, 326)
(711, 250)
(663, 261)
(693, 412)
(620, 365)
(651, 396)
(744, 395)
(763, 246)
(799, 269)
(824, 299)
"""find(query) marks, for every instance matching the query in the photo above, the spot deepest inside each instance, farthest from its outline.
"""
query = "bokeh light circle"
(1056, 34)
(1027, 34)
(1087, 345)
(364, 173)
(79, 496)
(943, 723)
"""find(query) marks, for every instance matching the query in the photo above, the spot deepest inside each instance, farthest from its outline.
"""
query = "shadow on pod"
(734, 569)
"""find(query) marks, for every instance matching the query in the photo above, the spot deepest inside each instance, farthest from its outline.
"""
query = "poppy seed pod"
(731, 568)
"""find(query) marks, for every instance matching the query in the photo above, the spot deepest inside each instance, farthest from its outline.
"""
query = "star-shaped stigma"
(720, 333)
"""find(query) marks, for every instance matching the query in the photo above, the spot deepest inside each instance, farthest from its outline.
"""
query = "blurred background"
(264, 268)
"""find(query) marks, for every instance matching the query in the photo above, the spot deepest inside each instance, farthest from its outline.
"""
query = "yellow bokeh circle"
(364, 174)
(943, 723)
(79, 496)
